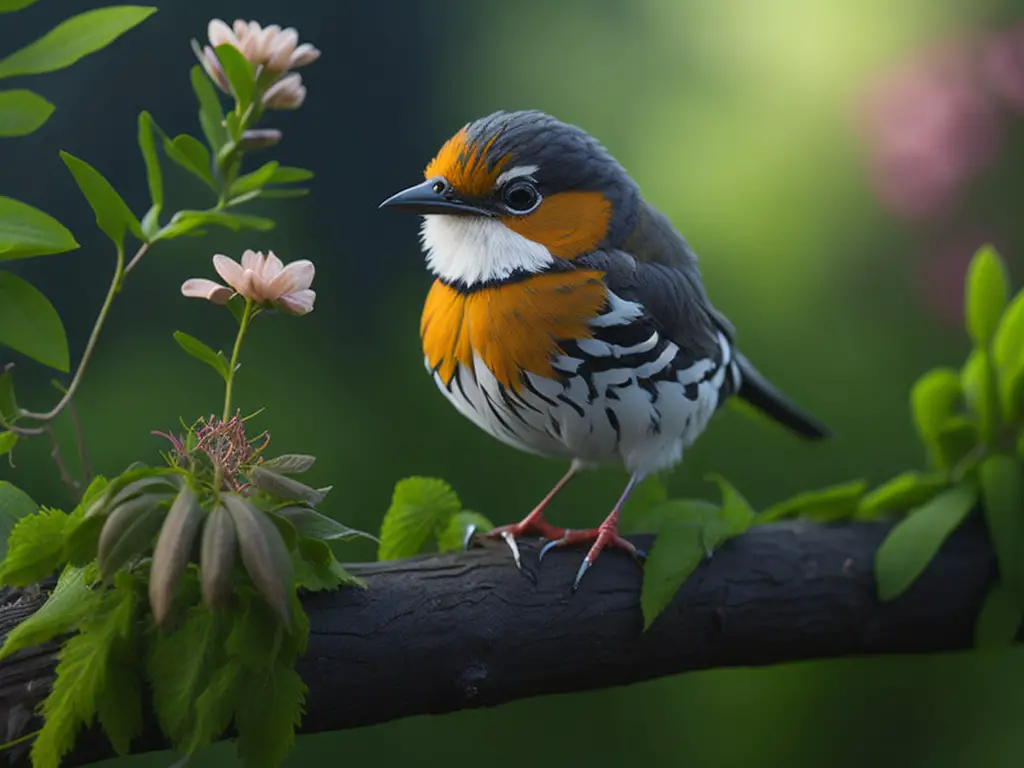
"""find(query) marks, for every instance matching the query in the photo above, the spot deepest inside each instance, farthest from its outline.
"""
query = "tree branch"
(439, 633)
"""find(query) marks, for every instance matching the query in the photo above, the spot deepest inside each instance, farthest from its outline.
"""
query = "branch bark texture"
(439, 633)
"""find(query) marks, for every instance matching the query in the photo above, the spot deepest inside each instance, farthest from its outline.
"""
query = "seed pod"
(217, 556)
(283, 487)
(110, 498)
(290, 463)
(128, 530)
(173, 548)
(264, 554)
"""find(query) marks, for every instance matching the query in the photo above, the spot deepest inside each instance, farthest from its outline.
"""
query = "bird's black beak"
(433, 196)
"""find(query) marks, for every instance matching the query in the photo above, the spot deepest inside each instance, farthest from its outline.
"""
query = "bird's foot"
(605, 536)
(531, 524)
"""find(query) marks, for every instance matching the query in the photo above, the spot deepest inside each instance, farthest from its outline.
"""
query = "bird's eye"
(521, 197)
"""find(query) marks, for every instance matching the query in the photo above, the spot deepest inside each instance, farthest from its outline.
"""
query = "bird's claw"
(470, 530)
(548, 547)
(511, 541)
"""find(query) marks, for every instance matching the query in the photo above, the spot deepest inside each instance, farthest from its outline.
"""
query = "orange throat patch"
(513, 328)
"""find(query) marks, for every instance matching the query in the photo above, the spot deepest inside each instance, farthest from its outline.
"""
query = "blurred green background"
(833, 222)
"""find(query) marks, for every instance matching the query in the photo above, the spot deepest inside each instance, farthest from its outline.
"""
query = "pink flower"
(263, 279)
(286, 93)
(1004, 66)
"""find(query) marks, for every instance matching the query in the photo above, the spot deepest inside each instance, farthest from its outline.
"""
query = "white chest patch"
(476, 249)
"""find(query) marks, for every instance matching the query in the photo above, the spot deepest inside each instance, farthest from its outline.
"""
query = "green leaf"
(203, 353)
(736, 512)
(316, 568)
(35, 548)
(185, 221)
(112, 213)
(147, 145)
(697, 512)
(22, 112)
(419, 507)
(999, 620)
(239, 73)
(268, 714)
(29, 324)
(119, 703)
(905, 491)
(836, 502)
(981, 393)
(1008, 343)
(985, 295)
(1002, 496)
(8, 403)
(454, 534)
(646, 496)
(7, 442)
(70, 602)
(957, 438)
(932, 402)
(211, 118)
(179, 667)
(253, 181)
(83, 671)
(282, 194)
(7, 6)
(309, 522)
(913, 542)
(26, 232)
(286, 174)
(74, 38)
(15, 504)
(188, 152)
(675, 555)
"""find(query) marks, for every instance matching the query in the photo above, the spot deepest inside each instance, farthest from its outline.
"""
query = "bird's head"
(514, 192)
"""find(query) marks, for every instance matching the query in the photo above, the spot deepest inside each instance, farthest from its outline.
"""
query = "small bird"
(567, 317)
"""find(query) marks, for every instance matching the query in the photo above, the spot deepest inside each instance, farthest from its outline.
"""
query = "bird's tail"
(756, 390)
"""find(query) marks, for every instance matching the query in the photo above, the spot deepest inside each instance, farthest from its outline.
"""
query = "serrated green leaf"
(999, 620)
(215, 706)
(154, 176)
(72, 39)
(317, 569)
(112, 213)
(835, 502)
(309, 522)
(675, 555)
(15, 504)
(30, 325)
(119, 701)
(986, 290)
(451, 538)
(903, 492)
(933, 400)
(286, 174)
(211, 118)
(981, 392)
(419, 507)
(735, 512)
(7, 442)
(70, 602)
(26, 232)
(1002, 496)
(22, 112)
(203, 353)
(268, 714)
(180, 664)
(8, 6)
(239, 72)
(914, 541)
(253, 181)
(35, 547)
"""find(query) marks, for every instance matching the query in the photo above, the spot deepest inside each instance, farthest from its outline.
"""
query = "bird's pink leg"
(533, 522)
(604, 536)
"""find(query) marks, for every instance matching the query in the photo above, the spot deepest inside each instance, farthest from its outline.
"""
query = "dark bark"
(440, 633)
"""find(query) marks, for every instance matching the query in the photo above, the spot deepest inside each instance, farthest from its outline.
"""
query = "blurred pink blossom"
(1003, 66)
(930, 127)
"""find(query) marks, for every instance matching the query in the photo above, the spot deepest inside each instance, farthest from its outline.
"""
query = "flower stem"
(243, 326)
(115, 286)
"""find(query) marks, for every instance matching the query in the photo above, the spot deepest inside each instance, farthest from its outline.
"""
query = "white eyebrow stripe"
(515, 173)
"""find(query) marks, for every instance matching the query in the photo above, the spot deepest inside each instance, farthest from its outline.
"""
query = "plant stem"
(243, 326)
(115, 286)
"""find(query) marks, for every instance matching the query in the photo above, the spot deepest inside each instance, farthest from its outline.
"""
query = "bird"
(567, 316)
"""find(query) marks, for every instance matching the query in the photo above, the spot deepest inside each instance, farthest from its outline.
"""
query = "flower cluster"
(273, 52)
